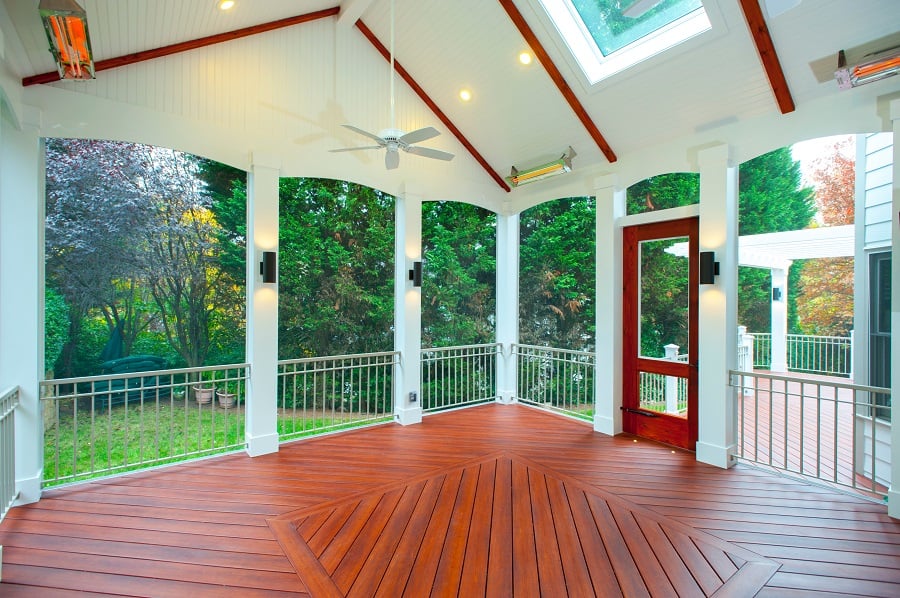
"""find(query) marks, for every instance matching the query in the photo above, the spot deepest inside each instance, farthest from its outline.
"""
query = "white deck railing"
(559, 379)
(322, 394)
(834, 432)
(101, 425)
(665, 394)
(9, 400)
(825, 355)
(457, 376)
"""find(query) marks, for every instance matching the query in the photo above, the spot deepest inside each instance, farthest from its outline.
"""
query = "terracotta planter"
(226, 399)
(203, 395)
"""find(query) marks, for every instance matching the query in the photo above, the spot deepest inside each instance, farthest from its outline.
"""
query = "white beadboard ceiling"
(291, 89)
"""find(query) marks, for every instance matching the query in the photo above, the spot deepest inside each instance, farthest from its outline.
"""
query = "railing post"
(671, 388)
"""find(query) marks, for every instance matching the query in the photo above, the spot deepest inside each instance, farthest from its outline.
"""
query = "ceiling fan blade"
(353, 149)
(427, 152)
(380, 141)
(419, 135)
(391, 159)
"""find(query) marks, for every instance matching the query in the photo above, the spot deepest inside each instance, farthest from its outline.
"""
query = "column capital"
(895, 110)
(714, 156)
(264, 160)
(606, 182)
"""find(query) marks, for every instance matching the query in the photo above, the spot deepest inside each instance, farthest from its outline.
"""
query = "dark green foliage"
(459, 274)
(336, 268)
(557, 273)
(662, 192)
(56, 326)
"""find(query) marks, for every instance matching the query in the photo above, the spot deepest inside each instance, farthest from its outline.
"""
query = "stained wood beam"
(759, 31)
(111, 63)
(404, 74)
(560, 81)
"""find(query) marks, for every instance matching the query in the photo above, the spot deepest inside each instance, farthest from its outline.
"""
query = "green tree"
(56, 326)
(557, 274)
(336, 268)
(663, 191)
(459, 274)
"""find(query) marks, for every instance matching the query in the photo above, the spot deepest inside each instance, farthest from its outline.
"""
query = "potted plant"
(203, 390)
(228, 394)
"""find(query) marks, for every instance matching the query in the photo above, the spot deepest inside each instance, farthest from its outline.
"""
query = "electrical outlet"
(413, 397)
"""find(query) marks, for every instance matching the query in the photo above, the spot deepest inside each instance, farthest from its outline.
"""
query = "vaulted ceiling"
(286, 92)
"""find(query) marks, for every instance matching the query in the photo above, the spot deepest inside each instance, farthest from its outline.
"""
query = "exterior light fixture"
(525, 57)
(465, 94)
(268, 267)
(67, 31)
(776, 294)
(415, 274)
(561, 165)
(875, 67)
(226, 4)
(709, 267)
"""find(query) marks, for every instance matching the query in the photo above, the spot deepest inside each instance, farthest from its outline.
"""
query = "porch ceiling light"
(559, 166)
(874, 67)
(65, 22)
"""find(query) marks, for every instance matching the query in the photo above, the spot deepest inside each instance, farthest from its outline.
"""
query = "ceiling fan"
(393, 139)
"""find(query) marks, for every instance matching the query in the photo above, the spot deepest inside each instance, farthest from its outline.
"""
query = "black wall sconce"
(268, 267)
(415, 274)
(709, 267)
(776, 294)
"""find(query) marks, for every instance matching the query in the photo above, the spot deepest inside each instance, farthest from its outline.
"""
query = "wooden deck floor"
(494, 500)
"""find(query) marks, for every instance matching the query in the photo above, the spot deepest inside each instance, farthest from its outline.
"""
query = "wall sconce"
(776, 294)
(415, 274)
(67, 31)
(268, 267)
(709, 267)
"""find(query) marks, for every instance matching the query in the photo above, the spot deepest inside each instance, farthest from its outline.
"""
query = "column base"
(262, 445)
(408, 416)
(506, 397)
(720, 456)
(29, 489)
(607, 425)
(893, 503)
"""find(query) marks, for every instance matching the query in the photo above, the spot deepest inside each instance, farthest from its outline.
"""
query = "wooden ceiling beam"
(404, 74)
(560, 81)
(111, 63)
(759, 31)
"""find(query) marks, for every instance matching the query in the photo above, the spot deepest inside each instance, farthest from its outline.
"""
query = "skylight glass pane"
(612, 30)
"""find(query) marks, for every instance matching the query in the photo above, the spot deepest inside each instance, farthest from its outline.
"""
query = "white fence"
(661, 393)
(824, 355)
(559, 379)
(322, 394)
(830, 431)
(9, 400)
(108, 424)
(457, 376)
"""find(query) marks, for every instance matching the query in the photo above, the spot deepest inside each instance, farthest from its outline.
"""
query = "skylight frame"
(597, 67)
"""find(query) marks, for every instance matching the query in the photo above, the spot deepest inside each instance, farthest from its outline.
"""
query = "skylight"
(604, 41)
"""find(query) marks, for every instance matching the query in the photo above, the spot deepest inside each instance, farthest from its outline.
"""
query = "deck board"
(494, 500)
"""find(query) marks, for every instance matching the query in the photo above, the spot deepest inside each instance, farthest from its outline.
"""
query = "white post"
(262, 307)
(407, 309)
(894, 492)
(779, 319)
(718, 308)
(671, 381)
(507, 314)
(610, 206)
(21, 291)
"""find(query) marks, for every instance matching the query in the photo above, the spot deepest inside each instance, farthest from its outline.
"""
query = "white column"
(779, 319)
(21, 291)
(507, 315)
(407, 309)
(262, 307)
(610, 206)
(718, 308)
(894, 492)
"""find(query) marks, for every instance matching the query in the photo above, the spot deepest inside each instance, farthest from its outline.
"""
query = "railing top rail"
(460, 347)
(9, 400)
(12, 390)
(338, 357)
(553, 349)
(143, 374)
(812, 381)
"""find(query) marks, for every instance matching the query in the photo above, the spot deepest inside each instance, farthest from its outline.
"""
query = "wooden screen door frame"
(670, 429)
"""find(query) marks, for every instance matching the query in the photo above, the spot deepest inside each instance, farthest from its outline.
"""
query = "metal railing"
(101, 425)
(559, 379)
(825, 355)
(831, 431)
(457, 376)
(9, 400)
(321, 394)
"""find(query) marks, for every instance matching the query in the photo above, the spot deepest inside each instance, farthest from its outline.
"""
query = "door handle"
(639, 412)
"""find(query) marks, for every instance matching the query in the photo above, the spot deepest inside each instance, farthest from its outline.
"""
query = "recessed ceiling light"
(465, 95)
(226, 4)
(525, 57)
